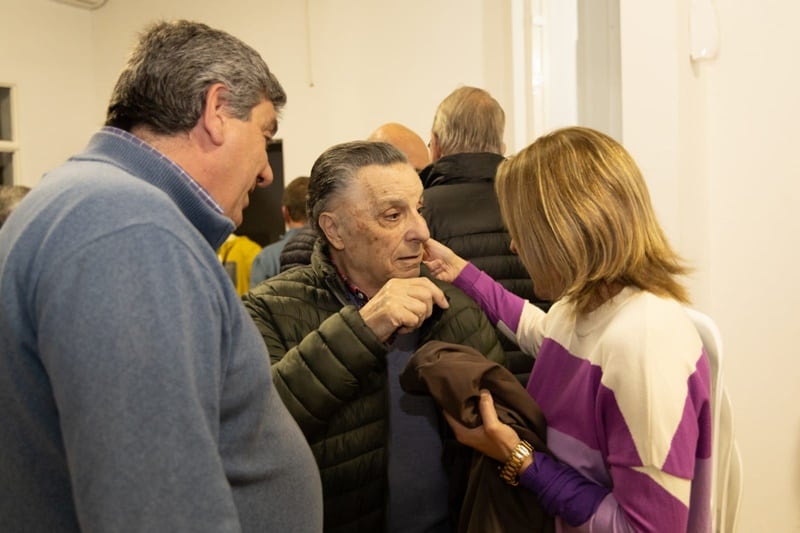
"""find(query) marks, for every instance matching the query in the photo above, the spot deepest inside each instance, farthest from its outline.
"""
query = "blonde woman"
(620, 375)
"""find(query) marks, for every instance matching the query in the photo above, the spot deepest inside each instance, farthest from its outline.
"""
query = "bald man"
(404, 140)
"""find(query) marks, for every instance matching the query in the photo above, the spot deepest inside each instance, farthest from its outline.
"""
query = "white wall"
(369, 62)
(46, 51)
(753, 139)
(716, 141)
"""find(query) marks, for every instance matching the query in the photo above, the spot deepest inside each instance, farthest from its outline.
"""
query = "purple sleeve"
(499, 304)
(562, 490)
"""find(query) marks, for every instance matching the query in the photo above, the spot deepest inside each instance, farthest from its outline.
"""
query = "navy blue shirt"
(417, 481)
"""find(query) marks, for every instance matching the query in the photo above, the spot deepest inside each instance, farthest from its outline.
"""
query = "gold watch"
(509, 472)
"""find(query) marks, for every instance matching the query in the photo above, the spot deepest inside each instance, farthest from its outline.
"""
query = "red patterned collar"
(357, 296)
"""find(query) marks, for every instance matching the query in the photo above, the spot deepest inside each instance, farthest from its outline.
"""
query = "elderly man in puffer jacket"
(339, 332)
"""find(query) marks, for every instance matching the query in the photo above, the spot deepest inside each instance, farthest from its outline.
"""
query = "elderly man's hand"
(402, 305)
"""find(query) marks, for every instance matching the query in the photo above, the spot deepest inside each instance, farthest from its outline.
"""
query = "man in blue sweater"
(135, 391)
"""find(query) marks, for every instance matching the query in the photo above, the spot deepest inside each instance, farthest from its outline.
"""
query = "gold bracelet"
(509, 472)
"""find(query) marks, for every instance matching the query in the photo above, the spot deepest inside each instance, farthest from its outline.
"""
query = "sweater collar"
(128, 152)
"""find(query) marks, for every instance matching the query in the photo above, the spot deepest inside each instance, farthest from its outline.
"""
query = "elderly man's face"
(379, 231)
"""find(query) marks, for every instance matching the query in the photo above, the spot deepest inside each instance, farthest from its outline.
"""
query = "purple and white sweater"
(625, 391)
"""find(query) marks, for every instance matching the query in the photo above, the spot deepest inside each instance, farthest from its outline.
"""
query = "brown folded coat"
(454, 375)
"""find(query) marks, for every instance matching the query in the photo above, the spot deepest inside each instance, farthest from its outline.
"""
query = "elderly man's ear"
(329, 224)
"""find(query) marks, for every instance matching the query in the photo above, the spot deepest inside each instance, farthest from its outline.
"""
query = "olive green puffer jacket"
(330, 370)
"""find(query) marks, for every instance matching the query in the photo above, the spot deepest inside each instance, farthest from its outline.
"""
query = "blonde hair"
(578, 209)
(469, 120)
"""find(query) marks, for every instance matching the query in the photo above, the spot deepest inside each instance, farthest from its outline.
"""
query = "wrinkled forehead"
(380, 185)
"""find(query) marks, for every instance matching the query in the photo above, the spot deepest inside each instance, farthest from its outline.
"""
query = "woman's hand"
(443, 263)
(494, 438)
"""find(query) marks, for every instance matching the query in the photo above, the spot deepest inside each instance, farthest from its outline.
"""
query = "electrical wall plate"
(703, 30)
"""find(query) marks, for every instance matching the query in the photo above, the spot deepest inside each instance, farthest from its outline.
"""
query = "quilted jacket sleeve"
(319, 357)
(465, 323)
(322, 353)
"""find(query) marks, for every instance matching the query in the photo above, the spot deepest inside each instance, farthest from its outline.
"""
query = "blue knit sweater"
(135, 391)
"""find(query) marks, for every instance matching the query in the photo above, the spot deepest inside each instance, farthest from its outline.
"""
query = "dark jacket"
(298, 248)
(454, 376)
(330, 370)
(462, 212)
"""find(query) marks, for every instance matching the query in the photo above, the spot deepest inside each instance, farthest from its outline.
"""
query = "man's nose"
(419, 228)
(265, 176)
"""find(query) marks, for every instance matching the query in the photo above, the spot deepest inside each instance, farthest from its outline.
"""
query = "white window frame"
(10, 145)
(565, 65)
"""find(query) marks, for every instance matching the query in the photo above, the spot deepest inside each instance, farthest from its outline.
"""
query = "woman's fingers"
(487, 410)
